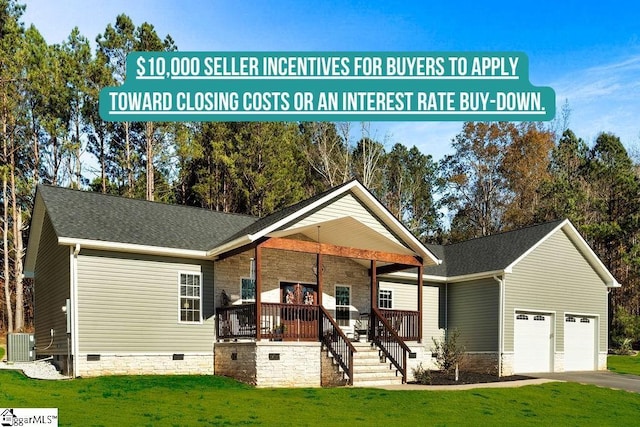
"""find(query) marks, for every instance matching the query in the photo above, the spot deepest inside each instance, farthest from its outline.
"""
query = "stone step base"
(370, 369)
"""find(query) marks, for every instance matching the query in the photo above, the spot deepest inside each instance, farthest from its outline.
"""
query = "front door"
(300, 314)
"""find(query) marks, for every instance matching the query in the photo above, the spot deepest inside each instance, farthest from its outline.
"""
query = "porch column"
(258, 261)
(374, 297)
(319, 276)
(374, 286)
(420, 303)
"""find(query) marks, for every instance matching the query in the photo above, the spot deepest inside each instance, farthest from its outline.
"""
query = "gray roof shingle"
(95, 216)
(490, 253)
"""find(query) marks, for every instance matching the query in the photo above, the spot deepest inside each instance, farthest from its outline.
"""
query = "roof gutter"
(447, 279)
(240, 241)
(129, 247)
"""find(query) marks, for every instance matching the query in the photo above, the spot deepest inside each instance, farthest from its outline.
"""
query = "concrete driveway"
(600, 378)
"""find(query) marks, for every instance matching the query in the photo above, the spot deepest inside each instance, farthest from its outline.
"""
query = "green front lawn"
(205, 400)
(624, 364)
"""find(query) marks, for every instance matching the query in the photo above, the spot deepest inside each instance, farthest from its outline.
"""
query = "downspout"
(74, 309)
(446, 309)
(500, 322)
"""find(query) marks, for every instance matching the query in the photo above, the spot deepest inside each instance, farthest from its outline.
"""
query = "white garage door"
(579, 343)
(532, 343)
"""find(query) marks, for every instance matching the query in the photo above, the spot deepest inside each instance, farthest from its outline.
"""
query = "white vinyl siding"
(127, 304)
(349, 206)
(405, 297)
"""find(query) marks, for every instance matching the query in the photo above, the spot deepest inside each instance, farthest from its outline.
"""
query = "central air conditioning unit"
(20, 348)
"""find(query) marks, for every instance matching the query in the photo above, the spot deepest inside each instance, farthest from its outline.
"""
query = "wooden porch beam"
(392, 268)
(341, 251)
(239, 250)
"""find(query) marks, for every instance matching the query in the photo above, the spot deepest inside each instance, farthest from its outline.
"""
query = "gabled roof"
(287, 216)
(499, 253)
(94, 216)
(109, 222)
(275, 217)
(106, 222)
(490, 253)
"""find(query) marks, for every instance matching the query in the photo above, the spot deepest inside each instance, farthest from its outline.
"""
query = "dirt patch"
(441, 378)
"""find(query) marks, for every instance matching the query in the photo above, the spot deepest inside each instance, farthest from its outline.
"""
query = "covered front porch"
(309, 277)
(333, 301)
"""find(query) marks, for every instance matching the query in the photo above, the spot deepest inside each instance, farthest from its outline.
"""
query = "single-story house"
(332, 290)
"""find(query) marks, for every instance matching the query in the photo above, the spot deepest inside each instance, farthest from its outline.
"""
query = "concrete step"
(370, 358)
(359, 344)
(359, 381)
(374, 374)
(379, 367)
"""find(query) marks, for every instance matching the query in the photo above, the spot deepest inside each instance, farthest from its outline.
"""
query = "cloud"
(603, 99)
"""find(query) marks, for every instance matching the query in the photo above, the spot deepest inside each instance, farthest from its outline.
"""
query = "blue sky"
(588, 52)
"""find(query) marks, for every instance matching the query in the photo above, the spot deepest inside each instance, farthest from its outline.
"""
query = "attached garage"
(532, 342)
(526, 301)
(579, 343)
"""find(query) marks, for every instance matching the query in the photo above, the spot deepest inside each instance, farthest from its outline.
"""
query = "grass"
(1, 352)
(624, 364)
(208, 400)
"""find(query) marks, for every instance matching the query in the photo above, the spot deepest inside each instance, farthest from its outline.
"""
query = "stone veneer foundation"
(558, 363)
(144, 364)
(270, 364)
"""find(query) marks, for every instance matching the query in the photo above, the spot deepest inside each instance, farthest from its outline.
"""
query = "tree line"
(501, 175)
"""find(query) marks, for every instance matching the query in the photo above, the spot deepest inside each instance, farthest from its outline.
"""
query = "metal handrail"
(404, 322)
(387, 339)
(236, 321)
(337, 343)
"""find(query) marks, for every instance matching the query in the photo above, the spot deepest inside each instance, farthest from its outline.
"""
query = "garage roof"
(499, 253)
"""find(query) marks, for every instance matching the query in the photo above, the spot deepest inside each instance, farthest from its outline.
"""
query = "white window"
(190, 297)
(385, 298)
(248, 290)
(343, 304)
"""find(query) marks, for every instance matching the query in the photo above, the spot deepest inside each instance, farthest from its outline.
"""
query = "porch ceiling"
(348, 232)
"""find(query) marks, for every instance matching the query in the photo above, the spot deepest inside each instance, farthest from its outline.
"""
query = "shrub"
(623, 346)
(421, 375)
(448, 352)
(625, 329)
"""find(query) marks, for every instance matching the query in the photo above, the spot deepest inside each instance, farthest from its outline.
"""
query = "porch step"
(370, 369)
